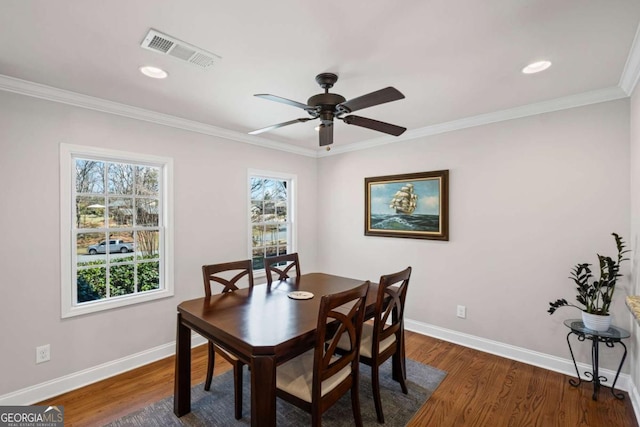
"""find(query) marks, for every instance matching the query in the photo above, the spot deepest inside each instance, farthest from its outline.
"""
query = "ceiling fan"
(329, 106)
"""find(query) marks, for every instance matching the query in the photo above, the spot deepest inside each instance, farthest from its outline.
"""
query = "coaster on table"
(300, 295)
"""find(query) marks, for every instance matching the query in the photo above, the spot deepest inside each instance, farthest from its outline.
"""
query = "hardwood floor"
(480, 389)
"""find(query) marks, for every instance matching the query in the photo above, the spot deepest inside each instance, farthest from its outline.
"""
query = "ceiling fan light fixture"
(536, 67)
(153, 72)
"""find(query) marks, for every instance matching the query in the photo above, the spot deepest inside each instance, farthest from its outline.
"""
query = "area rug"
(215, 407)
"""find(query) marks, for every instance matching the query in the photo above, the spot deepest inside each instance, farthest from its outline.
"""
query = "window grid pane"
(117, 229)
(269, 220)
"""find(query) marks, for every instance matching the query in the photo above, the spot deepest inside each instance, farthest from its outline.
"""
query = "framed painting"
(413, 205)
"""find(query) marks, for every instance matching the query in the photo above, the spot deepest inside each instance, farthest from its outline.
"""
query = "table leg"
(594, 365)
(263, 391)
(571, 380)
(624, 356)
(182, 381)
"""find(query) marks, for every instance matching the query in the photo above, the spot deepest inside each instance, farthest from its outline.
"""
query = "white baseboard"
(55, 387)
(634, 396)
(542, 360)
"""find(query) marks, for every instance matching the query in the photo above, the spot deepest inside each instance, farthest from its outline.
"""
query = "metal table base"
(610, 338)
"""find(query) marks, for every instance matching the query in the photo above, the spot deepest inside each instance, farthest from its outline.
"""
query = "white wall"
(635, 231)
(529, 198)
(210, 226)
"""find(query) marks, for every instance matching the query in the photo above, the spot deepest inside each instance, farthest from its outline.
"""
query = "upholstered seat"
(295, 377)
(367, 341)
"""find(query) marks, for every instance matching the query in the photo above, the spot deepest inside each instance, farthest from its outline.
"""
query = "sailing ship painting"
(410, 205)
(405, 200)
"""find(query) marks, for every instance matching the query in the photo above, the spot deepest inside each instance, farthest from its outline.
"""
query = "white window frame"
(68, 154)
(291, 209)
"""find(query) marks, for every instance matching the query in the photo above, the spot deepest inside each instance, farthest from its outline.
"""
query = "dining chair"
(281, 265)
(317, 379)
(383, 336)
(219, 273)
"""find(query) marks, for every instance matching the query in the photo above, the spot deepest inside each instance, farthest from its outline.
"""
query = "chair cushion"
(230, 355)
(296, 377)
(366, 341)
(225, 352)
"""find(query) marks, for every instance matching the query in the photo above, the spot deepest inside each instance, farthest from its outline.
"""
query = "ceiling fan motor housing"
(325, 105)
(326, 101)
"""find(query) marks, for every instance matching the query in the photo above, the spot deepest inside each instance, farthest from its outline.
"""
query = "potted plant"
(595, 296)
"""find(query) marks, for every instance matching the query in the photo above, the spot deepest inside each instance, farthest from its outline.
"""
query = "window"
(271, 215)
(115, 229)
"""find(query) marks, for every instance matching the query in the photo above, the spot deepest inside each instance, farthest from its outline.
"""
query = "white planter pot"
(596, 322)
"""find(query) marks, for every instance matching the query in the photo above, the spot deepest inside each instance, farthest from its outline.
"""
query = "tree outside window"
(271, 219)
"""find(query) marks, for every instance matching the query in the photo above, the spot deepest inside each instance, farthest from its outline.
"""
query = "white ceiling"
(453, 60)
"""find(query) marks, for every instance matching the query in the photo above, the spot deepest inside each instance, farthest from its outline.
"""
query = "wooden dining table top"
(264, 320)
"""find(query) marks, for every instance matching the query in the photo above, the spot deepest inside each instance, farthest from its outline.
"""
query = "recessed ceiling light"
(153, 72)
(536, 67)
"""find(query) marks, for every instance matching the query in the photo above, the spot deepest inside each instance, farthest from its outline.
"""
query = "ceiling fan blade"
(326, 134)
(375, 125)
(378, 97)
(283, 101)
(279, 125)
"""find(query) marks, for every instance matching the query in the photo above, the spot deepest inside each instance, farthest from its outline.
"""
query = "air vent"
(167, 45)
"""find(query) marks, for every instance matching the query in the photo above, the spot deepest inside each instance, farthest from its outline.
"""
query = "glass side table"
(610, 338)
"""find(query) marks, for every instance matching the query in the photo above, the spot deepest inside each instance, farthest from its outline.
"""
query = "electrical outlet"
(43, 353)
(461, 312)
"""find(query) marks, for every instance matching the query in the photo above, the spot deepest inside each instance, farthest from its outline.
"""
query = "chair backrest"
(281, 265)
(211, 273)
(389, 312)
(339, 313)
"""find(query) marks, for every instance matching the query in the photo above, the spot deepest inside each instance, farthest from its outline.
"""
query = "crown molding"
(49, 93)
(631, 71)
(572, 101)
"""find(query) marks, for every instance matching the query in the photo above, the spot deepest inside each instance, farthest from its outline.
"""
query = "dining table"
(263, 326)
